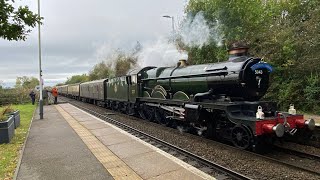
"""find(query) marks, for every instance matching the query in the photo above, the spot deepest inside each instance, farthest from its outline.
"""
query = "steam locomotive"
(219, 100)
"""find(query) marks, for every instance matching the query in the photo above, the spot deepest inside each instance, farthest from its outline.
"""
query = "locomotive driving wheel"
(146, 113)
(114, 106)
(161, 117)
(130, 109)
(241, 137)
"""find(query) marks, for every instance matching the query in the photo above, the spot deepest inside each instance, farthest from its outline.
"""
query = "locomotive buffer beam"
(177, 112)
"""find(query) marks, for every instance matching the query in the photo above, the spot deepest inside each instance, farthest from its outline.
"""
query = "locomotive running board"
(178, 113)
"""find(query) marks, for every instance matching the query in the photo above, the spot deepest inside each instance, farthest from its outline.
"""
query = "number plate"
(258, 72)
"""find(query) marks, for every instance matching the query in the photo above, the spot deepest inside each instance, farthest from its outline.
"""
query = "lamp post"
(172, 18)
(40, 71)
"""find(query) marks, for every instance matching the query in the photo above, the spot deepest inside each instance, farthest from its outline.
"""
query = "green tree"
(122, 66)
(124, 62)
(312, 93)
(100, 71)
(22, 89)
(238, 20)
(306, 28)
(284, 33)
(60, 84)
(15, 22)
(26, 82)
(77, 79)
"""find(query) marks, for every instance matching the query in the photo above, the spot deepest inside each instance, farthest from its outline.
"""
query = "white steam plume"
(161, 53)
(196, 32)
(193, 32)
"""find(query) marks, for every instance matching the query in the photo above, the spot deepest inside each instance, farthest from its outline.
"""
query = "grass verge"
(9, 153)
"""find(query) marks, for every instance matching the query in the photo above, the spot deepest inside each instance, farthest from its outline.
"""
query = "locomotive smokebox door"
(192, 112)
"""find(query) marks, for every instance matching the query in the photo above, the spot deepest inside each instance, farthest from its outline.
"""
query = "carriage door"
(132, 88)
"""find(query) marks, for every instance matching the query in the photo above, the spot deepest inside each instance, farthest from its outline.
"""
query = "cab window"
(134, 79)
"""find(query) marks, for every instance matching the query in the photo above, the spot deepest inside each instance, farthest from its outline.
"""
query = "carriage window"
(134, 79)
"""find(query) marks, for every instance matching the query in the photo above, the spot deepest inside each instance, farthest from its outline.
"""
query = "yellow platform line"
(113, 164)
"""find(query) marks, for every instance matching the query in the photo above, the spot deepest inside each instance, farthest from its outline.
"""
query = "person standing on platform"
(54, 92)
(32, 96)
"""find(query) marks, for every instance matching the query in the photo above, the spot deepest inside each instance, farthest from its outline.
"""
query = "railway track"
(313, 141)
(292, 154)
(317, 132)
(298, 153)
(209, 167)
(204, 165)
(315, 138)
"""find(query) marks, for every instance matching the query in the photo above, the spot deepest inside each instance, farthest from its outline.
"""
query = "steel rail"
(317, 129)
(290, 165)
(297, 153)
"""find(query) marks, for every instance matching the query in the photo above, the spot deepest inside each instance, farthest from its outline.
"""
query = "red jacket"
(54, 92)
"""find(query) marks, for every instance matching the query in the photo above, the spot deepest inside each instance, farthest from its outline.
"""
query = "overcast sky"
(76, 35)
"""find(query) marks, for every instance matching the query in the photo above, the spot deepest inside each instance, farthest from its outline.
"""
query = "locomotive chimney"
(182, 63)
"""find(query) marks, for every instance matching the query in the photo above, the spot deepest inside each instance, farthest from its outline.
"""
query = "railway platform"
(72, 144)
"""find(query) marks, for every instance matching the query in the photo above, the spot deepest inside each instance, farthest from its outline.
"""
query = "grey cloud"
(78, 34)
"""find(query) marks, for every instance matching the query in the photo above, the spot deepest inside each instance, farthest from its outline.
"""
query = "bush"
(5, 113)
(14, 96)
(312, 93)
(303, 92)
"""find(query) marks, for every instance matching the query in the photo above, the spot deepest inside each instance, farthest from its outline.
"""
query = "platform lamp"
(172, 19)
(40, 70)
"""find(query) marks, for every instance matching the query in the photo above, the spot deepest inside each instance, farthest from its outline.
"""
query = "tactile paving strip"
(114, 165)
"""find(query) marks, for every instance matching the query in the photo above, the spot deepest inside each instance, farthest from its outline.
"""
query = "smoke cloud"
(193, 32)
(161, 53)
(196, 32)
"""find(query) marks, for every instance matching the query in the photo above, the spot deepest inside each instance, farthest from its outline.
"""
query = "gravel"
(302, 148)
